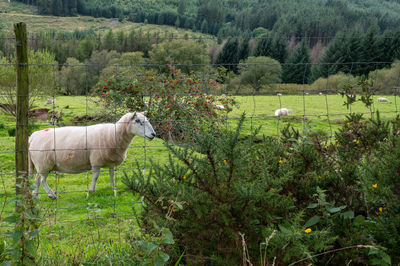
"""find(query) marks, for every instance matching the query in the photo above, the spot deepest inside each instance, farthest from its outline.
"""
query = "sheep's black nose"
(153, 134)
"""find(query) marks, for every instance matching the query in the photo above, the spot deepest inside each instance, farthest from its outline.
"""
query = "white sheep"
(79, 149)
(50, 101)
(383, 100)
(219, 107)
(279, 94)
(283, 111)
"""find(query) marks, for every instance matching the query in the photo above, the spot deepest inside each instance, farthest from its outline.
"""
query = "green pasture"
(75, 220)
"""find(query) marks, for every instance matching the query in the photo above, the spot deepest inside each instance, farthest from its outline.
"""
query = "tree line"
(294, 60)
(235, 17)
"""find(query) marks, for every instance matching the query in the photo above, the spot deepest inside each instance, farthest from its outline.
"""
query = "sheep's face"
(140, 126)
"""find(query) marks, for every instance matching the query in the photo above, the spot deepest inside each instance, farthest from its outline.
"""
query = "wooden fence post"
(21, 136)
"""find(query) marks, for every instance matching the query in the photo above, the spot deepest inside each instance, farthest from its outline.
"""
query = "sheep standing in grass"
(283, 111)
(79, 149)
(383, 100)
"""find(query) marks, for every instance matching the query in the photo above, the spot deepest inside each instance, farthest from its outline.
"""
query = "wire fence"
(312, 105)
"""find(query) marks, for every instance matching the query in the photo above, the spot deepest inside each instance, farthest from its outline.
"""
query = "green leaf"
(292, 139)
(179, 205)
(312, 206)
(167, 237)
(348, 214)
(313, 220)
(161, 259)
(284, 229)
(147, 247)
(11, 219)
(16, 235)
(336, 209)
(386, 258)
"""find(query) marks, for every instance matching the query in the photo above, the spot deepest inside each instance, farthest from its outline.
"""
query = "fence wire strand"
(277, 97)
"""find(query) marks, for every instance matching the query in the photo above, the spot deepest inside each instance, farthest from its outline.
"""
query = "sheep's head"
(140, 126)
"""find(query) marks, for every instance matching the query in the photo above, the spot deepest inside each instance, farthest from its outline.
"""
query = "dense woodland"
(235, 17)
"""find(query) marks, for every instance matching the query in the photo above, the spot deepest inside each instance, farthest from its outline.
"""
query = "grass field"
(73, 219)
(14, 12)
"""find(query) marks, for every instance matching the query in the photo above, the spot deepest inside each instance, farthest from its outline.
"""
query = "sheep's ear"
(144, 113)
(133, 116)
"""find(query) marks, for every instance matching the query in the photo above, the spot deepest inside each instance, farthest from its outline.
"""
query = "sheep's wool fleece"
(77, 149)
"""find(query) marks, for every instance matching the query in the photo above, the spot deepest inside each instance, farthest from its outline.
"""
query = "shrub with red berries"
(177, 103)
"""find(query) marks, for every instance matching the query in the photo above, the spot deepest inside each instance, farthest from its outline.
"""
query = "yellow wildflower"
(337, 140)
(380, 209)
(326, 147)
(280, 161)
(224, 161)
(308, 230)
(357, 142)
(375, 185)
(184, 177)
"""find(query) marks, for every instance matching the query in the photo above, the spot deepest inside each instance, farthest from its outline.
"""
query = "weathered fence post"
(21, 136)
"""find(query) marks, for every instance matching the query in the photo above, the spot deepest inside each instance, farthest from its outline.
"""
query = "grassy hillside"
(14, 12)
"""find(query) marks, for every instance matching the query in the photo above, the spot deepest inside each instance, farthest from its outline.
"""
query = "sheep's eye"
(137, 121)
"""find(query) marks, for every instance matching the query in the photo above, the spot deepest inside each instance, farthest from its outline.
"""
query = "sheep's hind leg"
(112, 180)
(37, 183)
(46, 187)
(96, 172)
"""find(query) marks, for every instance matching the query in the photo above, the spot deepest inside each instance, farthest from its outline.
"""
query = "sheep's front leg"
(37, 183)
(96, 172)
(46, 187)
(112, 180)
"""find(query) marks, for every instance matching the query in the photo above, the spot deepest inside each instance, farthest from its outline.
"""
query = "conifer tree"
(370, 50)
(204, 27)
(243, 49)
(298, 66)
(228, 56)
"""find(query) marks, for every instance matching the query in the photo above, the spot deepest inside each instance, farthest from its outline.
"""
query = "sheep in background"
(279, 94)
(219, 107)
(50, 101)
(383, 100)
(79, 149)
(283, 111)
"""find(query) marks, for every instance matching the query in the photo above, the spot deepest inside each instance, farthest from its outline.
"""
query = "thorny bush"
(310, 193)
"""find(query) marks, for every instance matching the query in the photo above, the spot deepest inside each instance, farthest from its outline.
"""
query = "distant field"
(72, 218)
(14, 12)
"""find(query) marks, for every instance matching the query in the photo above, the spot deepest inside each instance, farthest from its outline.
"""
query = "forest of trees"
(323, 18)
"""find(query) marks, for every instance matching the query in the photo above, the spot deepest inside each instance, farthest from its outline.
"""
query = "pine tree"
(279, 48)
(370, 50)
(243, 50)
(204, 27)
(264, 46)
(228, 57)
(298, 66)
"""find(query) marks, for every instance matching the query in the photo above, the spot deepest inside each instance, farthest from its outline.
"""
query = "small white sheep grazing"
(279, 94)
(219, 107)
(383, 100)
(79, 149)
(283, 111)
(50, 101)
(320, 93)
